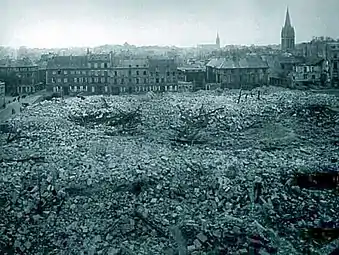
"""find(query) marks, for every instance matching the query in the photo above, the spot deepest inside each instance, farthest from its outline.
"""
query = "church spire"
(287, 19)
(217, 41)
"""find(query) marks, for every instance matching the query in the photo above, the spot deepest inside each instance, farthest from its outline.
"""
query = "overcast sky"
(62, 23)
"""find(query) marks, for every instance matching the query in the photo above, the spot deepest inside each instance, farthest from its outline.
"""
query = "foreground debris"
(70, 186)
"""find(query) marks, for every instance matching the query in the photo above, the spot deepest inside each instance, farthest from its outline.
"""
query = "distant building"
(108, 74)
(213, 46)
(195, 75)
(129, 76)
(287, 34)
(21, 76)
(312, 72)
(69, 74)
(332, 55)
(2, 94)
(237, 72)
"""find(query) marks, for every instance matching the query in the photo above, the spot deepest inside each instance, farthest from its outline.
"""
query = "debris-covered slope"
(174, 174)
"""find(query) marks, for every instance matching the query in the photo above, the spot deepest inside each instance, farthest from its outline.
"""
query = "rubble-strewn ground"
(97, 187)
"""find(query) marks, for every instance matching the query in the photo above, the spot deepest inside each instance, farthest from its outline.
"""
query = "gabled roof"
(71, 62)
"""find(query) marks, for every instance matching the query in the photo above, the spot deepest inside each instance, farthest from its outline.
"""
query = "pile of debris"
(69, 186)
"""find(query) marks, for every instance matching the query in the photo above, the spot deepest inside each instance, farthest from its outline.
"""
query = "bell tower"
(287, 34)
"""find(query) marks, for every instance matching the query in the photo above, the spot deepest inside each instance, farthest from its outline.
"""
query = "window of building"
(75, 79)
(65, 80)
(305, 76)
(168, 73)
(96, 80)
(90, 80)
(173, 73)
(105, 65)
(335, 65)
(59, 71)
(89, 65)
(102, 73)
(145, 73)
(84, 72)
(122, 81)
(59, 80)
(137, 81)
(81, 80)
(162, 80)
(130, 66)
(85, 79)
(151, 74)
(156, 73)
(137, 72)
(137, 65)
(78, 72)
(95, 65)
(130, 80)
(103, 80)
(145, 80)
(53, 80)
(115, 73)
(54, 72)
(305, 69)
(93, 89)
(72, 72)
(106, 89)
(81, 88)
(157, 80)
(102, 65)
(313, 77)
(129, 72)
(65, 72)
(115, 81)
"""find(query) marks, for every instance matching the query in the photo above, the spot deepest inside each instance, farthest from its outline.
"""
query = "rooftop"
(236, 63)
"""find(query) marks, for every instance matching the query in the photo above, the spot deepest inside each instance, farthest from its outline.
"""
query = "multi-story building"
(332, 55)
(129, 76)
(311, 72)
(238, 72)
(107, 74)
(21, 76)
(163, 74)
(67, 74)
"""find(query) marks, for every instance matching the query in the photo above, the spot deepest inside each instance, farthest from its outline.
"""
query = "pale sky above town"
(63, 23)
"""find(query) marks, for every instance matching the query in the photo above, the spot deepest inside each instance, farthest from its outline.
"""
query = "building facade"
(106, 74)
(287, 35)
(195, 75)
(312, 72)
(332, 55)
(21, 76)
(242, 72)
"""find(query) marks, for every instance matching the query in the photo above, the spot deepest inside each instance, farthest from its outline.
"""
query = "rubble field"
(209, 172)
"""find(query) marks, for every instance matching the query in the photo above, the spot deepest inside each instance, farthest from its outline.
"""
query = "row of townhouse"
(105, 74)
(21, 76)
(320, 67)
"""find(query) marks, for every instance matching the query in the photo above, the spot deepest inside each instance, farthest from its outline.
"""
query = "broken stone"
(197, 244)
(202, 237)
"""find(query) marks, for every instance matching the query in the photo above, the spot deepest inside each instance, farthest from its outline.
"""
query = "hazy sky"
(62, 23)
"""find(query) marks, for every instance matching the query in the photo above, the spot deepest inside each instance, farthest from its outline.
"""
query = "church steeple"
(217, 41)
(287, 34)
(287, 19)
